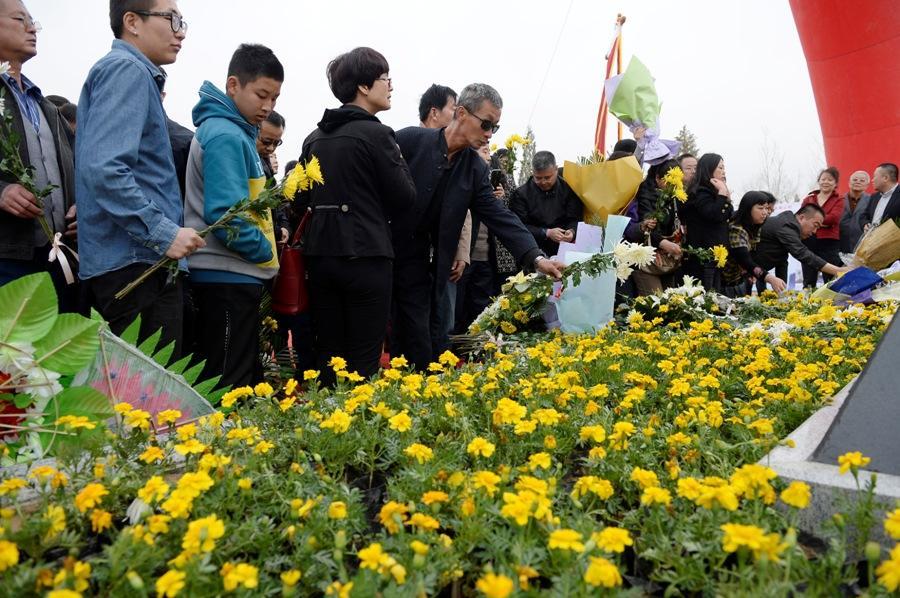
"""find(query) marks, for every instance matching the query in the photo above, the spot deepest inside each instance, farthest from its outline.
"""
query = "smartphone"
(496, 177)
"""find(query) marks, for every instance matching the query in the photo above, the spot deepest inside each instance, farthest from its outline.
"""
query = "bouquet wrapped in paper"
(604, 188)
(880, 247)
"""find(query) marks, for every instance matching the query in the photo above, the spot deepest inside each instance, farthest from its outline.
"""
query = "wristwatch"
(538, 259)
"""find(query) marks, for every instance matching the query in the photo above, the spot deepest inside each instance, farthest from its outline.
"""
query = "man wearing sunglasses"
(450, 179)
(129, 201)
(45, 146)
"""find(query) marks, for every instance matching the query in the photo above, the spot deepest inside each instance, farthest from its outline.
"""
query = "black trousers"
(411, 312)
(158, 301)
(827, 249)
(350, 300)
(226, 331)
(68, 295)
(473, 293)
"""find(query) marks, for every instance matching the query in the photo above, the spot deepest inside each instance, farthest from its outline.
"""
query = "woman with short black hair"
(348, 241)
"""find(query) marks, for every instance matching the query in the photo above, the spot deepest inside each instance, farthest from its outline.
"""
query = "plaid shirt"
(733, 273)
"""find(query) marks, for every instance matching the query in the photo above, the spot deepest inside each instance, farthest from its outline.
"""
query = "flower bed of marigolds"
(620, 463)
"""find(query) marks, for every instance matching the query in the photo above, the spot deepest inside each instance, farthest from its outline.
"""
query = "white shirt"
(882, 205)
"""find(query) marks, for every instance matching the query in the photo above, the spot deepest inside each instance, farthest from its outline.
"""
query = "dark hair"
(832, 171)
(742, 216)
(360, 66)
(252, 61)
(290, 166)
(435, 96)
(57, 101)
(118, 8)
(543, 160)
(69, 112)
(625, 145)
(770, 197)
(275, 119)
(890, 169)
(648, 185)
(618, 155)
(706, 166)
(685, 155)
(810, 208)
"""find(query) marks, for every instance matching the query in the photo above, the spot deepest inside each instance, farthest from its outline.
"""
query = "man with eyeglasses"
(130, 207)
(45, 146)
(450, 179)
(268, 140)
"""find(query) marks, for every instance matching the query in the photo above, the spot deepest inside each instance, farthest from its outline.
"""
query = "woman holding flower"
(743, 236)
(658, 198)
(706, 215)
(348, 242)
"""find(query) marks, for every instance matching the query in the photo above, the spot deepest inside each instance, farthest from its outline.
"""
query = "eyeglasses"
(486, 125)
(178, 24)
(385, 79)
(27, 22)
(270, 142)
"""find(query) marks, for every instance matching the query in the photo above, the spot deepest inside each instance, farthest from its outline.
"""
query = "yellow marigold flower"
(508, 327)
(338, 364)
(723, 496)
(42, 473)
(656, 496)
(168, 416)
(122, 408)
(645, 478)
(797, 495)
(595, 434)
(738, 535)
(137, 418)
(613, 539)
(9, 555)
(495, 586)
(508, 412)
(263, 447)
(448, 359)
(539, 461)
(566, 539)
(601, 572)
(201, 535)
(486, 480)
(852, 461)
(393, 515)
(90, 496)
(752, 481)
(302, 507)
(63, 594)
(419, 452)
(401, 422)
(889, 571)
(241, 574)
(57, 518)
(310, 375)
(337, 510)
(290, 578)
(720, 255)
(158, 524)
(287, 403)
(74, 422)
(435, 496)
(398, 363)
(373, 557)
(480, 446)
(155, 489)
(517, 507)
(689, 488)
(420, 548)
(263, 389)
(170, 584)
(338, 422)
(892, 524)
(424, 522)
(245, 483)
(594, 485)
(190, 447)
(340, 590)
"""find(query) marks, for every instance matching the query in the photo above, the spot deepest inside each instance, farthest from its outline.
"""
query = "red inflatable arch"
(853, 53)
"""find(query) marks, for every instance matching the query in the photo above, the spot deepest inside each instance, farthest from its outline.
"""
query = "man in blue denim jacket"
(129, 201)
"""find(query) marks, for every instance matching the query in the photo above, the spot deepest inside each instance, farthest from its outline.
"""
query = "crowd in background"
(409, 239)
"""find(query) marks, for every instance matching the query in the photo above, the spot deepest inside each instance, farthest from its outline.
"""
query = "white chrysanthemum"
(641, 255)
(623, 271)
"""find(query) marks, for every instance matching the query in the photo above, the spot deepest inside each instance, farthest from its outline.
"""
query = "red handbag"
(290, 295)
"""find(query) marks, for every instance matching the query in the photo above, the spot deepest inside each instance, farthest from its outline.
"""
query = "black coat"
(705, 215)
(540, 210)
(366, 183)
(647, 195)
(17, 234)
(181, 138)
(467, 187)
(891, 211)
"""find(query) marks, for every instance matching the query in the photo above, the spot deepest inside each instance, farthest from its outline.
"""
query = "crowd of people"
(408, 240)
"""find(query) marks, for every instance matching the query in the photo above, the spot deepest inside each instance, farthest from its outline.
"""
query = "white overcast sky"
(733, 71)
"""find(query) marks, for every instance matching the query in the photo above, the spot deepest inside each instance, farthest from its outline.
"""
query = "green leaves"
(29, 309)
(70, 345)
(75, 400)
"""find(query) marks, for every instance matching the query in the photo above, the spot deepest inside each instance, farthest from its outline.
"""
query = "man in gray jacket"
(855, 203)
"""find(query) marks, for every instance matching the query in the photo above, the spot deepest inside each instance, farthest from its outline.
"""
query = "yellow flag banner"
(605, 187)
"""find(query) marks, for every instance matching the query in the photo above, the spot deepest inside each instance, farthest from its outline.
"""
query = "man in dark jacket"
(885, 202)
(450, 178)
(546, 205)
(783, 234)
(856, 203)
(45, 144)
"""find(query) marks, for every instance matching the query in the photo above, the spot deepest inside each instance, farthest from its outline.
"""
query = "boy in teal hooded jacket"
(227, 277)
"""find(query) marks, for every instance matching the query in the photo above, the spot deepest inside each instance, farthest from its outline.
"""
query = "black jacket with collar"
(17, 234)
(780, 236)
(705, 216)
(541, 210)
(892, 210)
(366, 183)
(467, 187)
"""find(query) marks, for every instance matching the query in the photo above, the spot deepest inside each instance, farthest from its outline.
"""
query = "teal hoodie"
(224, 168)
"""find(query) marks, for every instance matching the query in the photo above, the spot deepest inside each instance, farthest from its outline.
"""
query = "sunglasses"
(486, 125)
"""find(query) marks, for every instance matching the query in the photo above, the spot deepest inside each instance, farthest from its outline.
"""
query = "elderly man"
(450, 179)
(885, 203)
(783, 234)
(546, 205)
(856, 202)
(45, 146)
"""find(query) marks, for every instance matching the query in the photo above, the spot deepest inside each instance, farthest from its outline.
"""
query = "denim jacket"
(129, 201)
